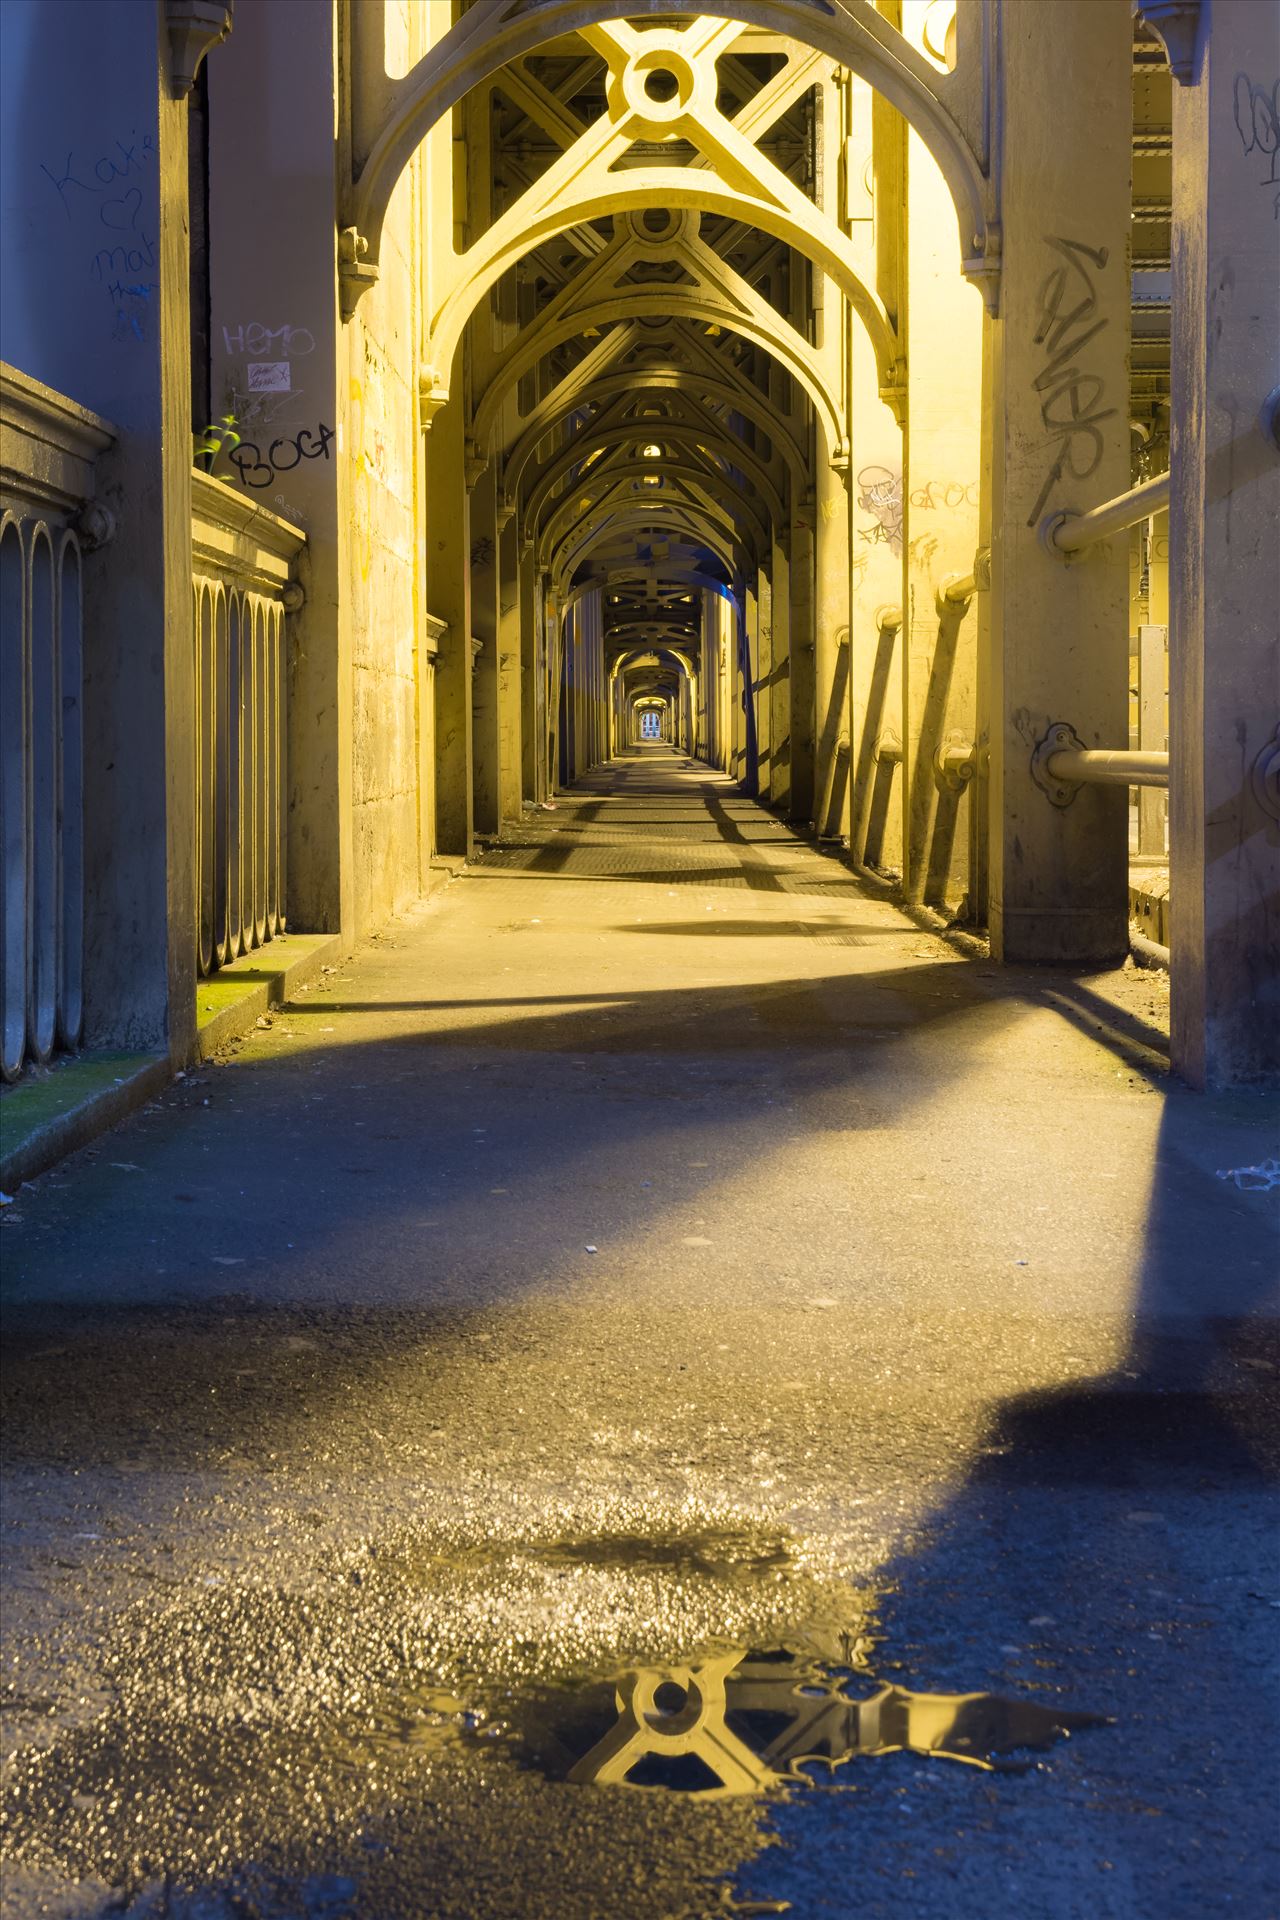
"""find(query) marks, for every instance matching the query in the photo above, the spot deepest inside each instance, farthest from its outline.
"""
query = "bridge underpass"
(655, 1250)
(645, 1320)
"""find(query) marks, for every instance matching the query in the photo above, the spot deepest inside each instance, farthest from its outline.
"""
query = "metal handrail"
(1061, 764)
(1105, 767)
(958, 589)
(1066, 533)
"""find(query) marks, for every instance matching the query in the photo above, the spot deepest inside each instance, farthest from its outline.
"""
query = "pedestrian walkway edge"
(231, 1000)
(57, 1110)
(53, 1113)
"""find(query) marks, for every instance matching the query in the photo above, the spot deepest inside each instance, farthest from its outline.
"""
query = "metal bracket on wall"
(1060, 738)
(1264, 777)
(955, 763)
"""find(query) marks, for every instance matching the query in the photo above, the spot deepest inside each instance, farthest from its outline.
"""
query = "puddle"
(744, 1722)
(431, 1706)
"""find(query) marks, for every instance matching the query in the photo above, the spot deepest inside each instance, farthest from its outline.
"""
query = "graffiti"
(290, 511)
(268, 343)
(259, 409)
(211, 442)
(248, 461)
(880, 494)
(1258, 124)
(1071, 408)
(936, 494)
(122, 252)
(106, 170)
(269, 376)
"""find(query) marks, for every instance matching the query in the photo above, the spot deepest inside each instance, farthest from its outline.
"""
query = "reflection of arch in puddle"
(742, 1723)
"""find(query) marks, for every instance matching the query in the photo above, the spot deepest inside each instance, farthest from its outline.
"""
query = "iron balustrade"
(48, 520)
(242, 558)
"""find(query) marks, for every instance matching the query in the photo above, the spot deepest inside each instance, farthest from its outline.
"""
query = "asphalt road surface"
(653, 1315)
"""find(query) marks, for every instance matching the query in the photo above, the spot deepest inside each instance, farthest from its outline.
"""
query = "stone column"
(485, 746)
(448, 573)
(802, 658)
(875, 187)
(1060, 441)
(273, 298)
(746, 760)
(1224, 647)
(938, 512)
(780, 676)
(831, 653)
(533, 677)
(510, 675)
(763, 690)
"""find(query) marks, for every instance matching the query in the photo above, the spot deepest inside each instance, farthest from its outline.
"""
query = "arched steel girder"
(612, 578)
(637, 190)
(668, 303)
(579, 539)
(634, 636)
(680, 476)
(670, 432)
(679, 502)
(573, 551)
(678, 505)
(649, 680)
(634, 655)
(685, 551)
(686, 355)
(633, 669)
(695, 385)
(950, 111)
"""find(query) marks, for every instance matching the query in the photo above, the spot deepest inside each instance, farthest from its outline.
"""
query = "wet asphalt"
(652, 1259)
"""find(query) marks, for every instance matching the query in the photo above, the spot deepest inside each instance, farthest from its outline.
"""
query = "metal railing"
(957, 589)
(1061, 764)
(241, 563)
(1066, 533)
(48, 447)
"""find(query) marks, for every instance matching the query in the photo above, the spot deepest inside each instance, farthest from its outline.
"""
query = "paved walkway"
(653, 1249)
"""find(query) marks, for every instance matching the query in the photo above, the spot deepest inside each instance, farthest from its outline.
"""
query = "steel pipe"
(1107, 767)
(1148, 953)
(1064, 533)
(1062, 764)
(958, 589)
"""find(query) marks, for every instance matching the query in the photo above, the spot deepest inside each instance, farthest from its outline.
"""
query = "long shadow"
(933, 810)
(755, 873)
(832, 770)
(328, 1238)
(762, 929)
(867, 805)
(1112, 1545)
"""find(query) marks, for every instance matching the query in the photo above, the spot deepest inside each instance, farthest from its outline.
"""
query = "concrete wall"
(384, 453)
(94, 302)
(355, 711)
